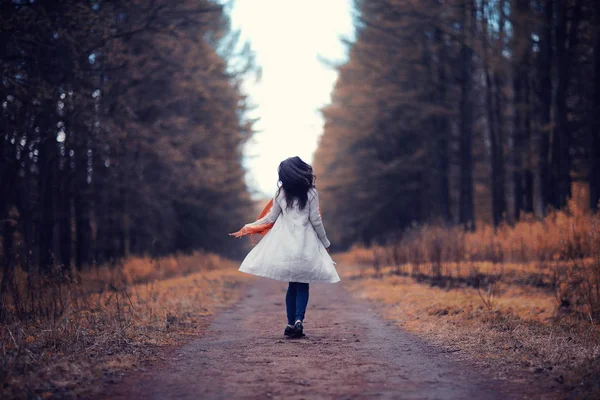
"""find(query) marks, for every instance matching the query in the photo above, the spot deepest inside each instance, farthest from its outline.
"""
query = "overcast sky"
(288, 37)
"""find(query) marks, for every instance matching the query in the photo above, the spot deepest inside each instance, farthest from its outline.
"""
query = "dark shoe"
(289, 331)
(298, 329)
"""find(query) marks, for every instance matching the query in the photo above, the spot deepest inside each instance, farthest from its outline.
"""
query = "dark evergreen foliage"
(460, 111)
(121, 131)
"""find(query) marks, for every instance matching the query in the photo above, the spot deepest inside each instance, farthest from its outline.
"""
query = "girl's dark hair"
(296, 179)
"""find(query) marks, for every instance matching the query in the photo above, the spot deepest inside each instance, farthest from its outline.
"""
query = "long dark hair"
(296, 179)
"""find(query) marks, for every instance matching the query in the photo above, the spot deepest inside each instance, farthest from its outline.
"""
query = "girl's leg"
(290, 302)
(301, 300)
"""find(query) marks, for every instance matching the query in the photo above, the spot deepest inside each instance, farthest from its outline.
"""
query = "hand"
(240, 233)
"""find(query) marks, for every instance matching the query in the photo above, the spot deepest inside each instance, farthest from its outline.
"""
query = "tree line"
(460, 111)
(121, 131)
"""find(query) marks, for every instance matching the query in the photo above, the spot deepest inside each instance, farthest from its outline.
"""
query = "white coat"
(294, 250)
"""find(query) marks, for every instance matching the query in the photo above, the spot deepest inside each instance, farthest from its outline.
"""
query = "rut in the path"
(349, 352)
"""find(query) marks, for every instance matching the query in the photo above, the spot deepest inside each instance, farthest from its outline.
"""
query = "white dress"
(294, 250)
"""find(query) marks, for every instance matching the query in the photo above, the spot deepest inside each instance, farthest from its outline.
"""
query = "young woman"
(295, 246)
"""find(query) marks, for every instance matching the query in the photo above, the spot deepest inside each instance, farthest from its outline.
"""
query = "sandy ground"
(349, 353)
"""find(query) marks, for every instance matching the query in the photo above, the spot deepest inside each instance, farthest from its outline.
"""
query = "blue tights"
(296, 300)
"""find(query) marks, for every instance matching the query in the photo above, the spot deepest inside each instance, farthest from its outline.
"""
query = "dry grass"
(520, 333)
(562, 235)
(73, 336)
(519, 298)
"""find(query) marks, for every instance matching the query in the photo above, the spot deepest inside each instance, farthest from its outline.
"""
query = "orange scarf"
(256, 229)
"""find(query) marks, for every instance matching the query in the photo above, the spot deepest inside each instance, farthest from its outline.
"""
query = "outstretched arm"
(315, 217)
(262, 225)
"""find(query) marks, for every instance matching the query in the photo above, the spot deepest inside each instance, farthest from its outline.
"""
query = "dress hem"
(288, 280)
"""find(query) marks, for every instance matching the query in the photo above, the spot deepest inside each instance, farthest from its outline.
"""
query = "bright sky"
(287, 38)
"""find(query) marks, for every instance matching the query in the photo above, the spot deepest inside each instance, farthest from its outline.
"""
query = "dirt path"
(349, 352)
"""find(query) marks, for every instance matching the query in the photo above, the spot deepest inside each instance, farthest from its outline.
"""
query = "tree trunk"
(81, 206)
(560, 138)
(543, 177)
(521, 134)
(27, 218)
(594, 171)
(444, 173)
(566, 41)
(8, 174)
(47, 192)
(8, 265)
(82, 232)
(466, 201)
(496, 182)
(526, 148)
(516, 160)
(124, 223)
(64, 220)
(495, 126)
(499, 176)
(443, 131)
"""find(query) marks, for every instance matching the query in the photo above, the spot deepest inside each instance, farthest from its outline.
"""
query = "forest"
(458, 172)
(461, 112)
(121, 135)
(122, 130)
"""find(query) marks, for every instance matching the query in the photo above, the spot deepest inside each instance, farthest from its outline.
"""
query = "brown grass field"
(520, 301)
(69, 340)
